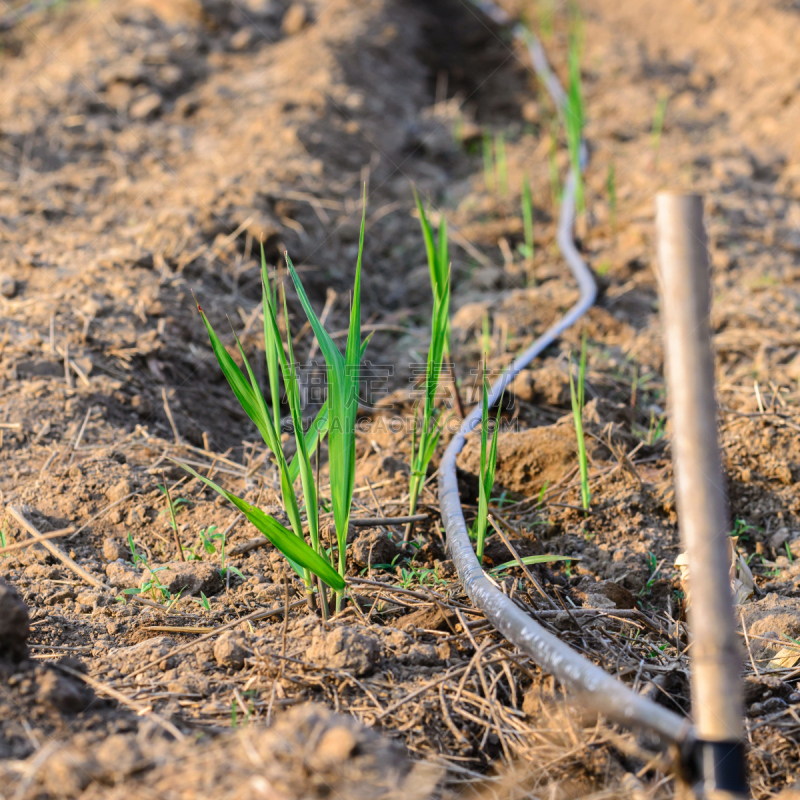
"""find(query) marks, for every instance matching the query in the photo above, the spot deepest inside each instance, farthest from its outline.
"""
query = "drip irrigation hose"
(595, 688)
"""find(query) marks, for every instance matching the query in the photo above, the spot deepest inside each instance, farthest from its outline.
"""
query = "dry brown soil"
(146, 148)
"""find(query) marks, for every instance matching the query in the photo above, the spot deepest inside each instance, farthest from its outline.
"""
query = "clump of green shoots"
(337, 417)
(152, 585)
(425, 436)
(574, 112)
(207, 543)
(342, 407)
(577, 395)
(487, 469)
(495, 163)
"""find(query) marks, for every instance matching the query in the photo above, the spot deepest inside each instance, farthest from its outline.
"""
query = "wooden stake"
(700, 492)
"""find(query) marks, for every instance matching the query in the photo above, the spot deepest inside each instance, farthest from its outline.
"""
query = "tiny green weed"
(487, 470)
(528, 560)
(658, 124)
(574, 112)
(425, 436)
(527, 248)
(577, 397)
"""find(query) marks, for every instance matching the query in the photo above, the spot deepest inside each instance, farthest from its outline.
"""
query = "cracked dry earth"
(146, 148)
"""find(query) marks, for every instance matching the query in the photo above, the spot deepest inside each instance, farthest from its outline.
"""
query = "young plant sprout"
(526, 249)
(575, 119)
(658, 124)
(425, 437)
(342, 407)
(173, 522)
(305, 560)
(487, 469)
(577, 397)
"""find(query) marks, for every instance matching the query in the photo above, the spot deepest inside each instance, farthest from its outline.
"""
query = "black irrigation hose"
(596, 688)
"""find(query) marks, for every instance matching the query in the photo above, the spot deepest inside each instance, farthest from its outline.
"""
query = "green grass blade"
(527, 216)
(318, 429)
(250, 399)
(272, 341)
(430, 245)
(293, 547)
(343, 378)
(528, 560)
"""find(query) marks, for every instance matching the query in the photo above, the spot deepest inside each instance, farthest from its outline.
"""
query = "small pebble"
(294, 20)
(8, 286)
(145, 106)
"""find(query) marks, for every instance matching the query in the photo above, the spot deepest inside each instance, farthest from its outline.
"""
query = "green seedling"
(542, 492)
(488, 163)
(501, 163)
(545, 12)
(208, 537)
(420, 575)
(611, 189)
(425, 436)
(658, 124)
(152, 585)
(343, 372)
(655, 569)
(487, 471)
(172, 509)
(204, 602)
(577, 397)
(574, 112)
(526, 249)
(528, 560)
(486, 336)
(3, 539)
(501, 500)
(304, 559)
(337, 418)
(293, 547)
(655, 432)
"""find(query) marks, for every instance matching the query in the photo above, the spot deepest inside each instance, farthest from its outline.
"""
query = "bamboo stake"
(701, 499)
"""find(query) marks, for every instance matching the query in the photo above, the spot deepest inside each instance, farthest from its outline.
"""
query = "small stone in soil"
(350, 648)
(114, 549)
(187, 577)
(122, 575)
(373, 547)
(8, 286)
(294, 20)
(230, 650)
